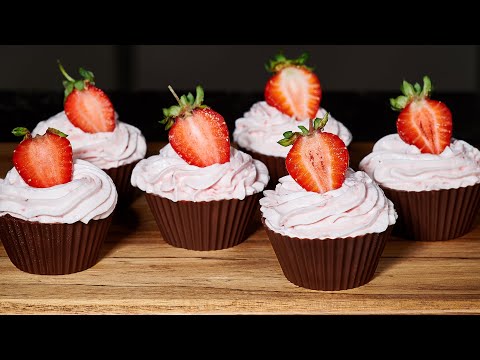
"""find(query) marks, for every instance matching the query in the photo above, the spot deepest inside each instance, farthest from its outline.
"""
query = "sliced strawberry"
(198, 134)
(44, 160)
(318, 160)
(201, 139)
(86, 106)
(293, 89)
(427, 124)
(90, 110)
(423, 122)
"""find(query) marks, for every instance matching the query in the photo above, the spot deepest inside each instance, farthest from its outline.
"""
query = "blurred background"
(239, 68)
(357, 80)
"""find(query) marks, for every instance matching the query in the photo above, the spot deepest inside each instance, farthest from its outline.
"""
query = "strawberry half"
(44, 160)
(422, 122)
(317, 161)
(293, 89)
(198, 134)
(86, 106)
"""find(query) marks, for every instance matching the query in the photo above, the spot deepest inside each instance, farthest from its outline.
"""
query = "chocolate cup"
(52, 249)
(329, 264)
(121, 178)
(204, 225)
(435, 215)
(275, 165)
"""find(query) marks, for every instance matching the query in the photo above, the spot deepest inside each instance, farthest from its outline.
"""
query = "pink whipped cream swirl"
(169, 176)
(263, 125)
(396, 165)
(107, 150)
(91, 195)
(359, 207)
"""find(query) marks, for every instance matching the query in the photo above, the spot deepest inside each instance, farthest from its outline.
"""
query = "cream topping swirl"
(397, 165)
(169, 176)
(262, 126)
(91, 195)
(358, 207)
(107, 150)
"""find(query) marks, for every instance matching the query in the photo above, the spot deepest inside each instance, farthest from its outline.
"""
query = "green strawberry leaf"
(68, 90)
(190, 98)
(418, 88)
(86, 75)
(304, 130)
(199, 96)
(399, 103)
(320, 123)
(20, 131)
(280, 61)
(56, 132)
(407, 89)
(186, 104)
(79, 85)
(427, 87)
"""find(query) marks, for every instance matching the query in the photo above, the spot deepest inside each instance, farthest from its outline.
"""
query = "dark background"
(357, 81)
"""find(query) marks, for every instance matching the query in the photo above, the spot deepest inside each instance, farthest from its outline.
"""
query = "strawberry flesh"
(90, 110)
(318, 162)
(294, 91)
(44, 161)
(202, 138)
(427, 124)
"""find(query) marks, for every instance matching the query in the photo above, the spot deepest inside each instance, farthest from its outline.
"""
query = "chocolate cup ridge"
(204, 225)
(435, 215)
(53, 249)
(329, 264)
(121, 176)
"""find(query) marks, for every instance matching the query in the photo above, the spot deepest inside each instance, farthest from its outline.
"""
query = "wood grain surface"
(138, 273)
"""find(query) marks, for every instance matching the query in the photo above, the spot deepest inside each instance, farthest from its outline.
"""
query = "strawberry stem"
(310, 126)
(174, 95)
(62, 70)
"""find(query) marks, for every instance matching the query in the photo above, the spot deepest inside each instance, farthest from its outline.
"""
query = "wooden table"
(138, 273)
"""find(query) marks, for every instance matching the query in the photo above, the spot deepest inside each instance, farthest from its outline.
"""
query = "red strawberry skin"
(294, 91)
(318, 162)
(427, 124)
(44, 161)
(201, 139)
(90, 109)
